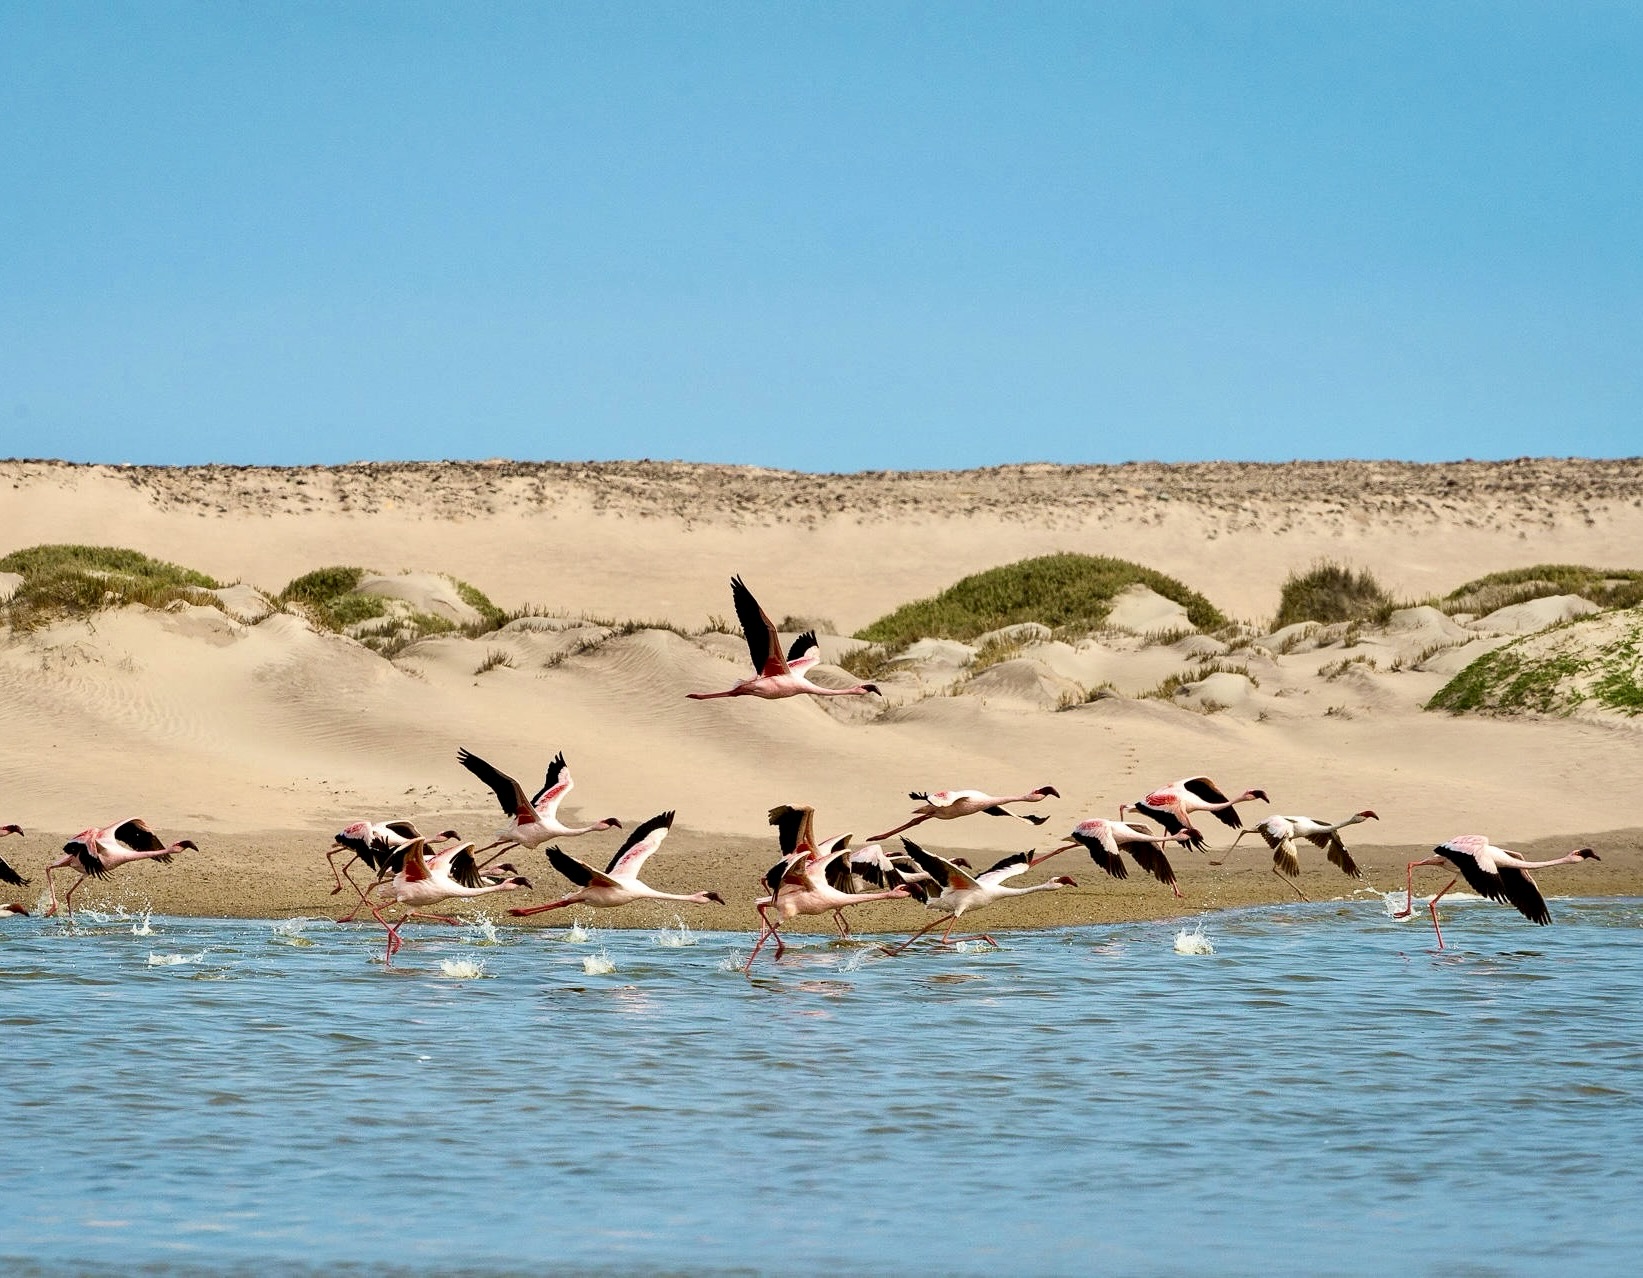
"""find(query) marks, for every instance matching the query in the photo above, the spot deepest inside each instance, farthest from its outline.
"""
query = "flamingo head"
(517, 881)
(1255, 794)
(11, 907)
(181, 844)
(873, 688)
(1047, 792)
(714, 897)
(611, 823)
(1584, 854)
(446, 835)
(1064, 880)
(1367, 815)
(10, 829)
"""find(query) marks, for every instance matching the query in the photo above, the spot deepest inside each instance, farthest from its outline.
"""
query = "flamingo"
(777, 676)
(948, 805)
(1497, 873)
(961, 891)
(795, 831)
(381, 845)
(1103, 839)
(7, 874)
(427, 880)
(1172, 806)
(95, 852)
(618, 883)
(804, 886)
(534, 820)
(1280, 832)
(11, 907)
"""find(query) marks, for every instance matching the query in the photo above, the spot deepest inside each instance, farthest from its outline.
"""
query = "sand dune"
(260, 737)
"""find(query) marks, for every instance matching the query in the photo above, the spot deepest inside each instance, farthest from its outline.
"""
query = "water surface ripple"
(1325, 1093)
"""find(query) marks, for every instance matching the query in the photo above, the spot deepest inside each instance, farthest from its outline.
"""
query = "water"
(1321, 1093)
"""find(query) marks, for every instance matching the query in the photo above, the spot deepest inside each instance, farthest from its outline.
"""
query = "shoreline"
(278, 875)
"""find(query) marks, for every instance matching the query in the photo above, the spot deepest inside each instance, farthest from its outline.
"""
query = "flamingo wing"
(9, 875)
(415, 868)
(1335, 850)
(944, 872)
(509, 793)
(1521, 890)
(404, 829)
(1008, 868)
(136, 835)
(647, 836)
(1203, 788)
(1150, 857)
(763, 646)
(1506, 884)
(1280, 837)
(1172, 824)
(805, 652)
(794, 828)
(1103, 849)
(461, 866)
(578, 872)
(555, 786)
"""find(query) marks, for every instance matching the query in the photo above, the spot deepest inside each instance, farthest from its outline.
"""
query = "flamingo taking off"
(1103, 840)
(804, 885)
(962, 892)
(777, 676)
(534, 820)
(1280, 832)
(1172, 806)
(381, 845)
(1497, 873)
(7, 874)
(618, 883)
(796, 834)
(426, 880)
(948, 805)
(95, 852)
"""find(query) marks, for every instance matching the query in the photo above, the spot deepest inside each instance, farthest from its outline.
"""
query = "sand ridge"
(260, 738)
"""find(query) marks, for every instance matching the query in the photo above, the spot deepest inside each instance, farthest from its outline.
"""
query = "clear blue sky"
(820, 236)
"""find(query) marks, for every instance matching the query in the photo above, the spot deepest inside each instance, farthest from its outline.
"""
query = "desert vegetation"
(1330, 592)
(74, 581)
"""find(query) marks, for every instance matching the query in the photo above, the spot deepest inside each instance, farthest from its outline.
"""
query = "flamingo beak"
(715, 898)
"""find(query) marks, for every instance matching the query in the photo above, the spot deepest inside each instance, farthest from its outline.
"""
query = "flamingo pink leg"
(525, 911)
(1432, 905)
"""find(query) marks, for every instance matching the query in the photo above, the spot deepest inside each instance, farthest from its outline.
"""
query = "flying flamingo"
(7, 874)
(777, 676)
(961, 891)
(618, 883)
(796, 835)
(1497, 873)
(95, 852)
(1103, 839)
(802, 886)
(534, 820)
(948, 805)
(1280, 832)
(381, 845)
(1172, 806)
(426, 880)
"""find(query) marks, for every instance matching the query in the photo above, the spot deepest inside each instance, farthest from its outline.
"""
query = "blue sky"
(820, 236)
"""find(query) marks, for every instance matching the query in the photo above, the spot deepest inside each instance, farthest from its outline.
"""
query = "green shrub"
(1330, 592)
(74, 581)
(1555, 671)
(1606, 587)
(1068, 592)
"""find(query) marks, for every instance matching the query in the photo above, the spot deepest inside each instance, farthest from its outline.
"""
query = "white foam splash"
(462, 969)
(1193, 942)
(973, 947)
(290, 931)
(141, 926)
(484, 930)
(676, 937)
(577, 933)
(173, 960)
(598, 964)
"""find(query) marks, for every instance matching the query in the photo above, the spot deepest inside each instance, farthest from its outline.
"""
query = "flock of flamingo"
(813, 877)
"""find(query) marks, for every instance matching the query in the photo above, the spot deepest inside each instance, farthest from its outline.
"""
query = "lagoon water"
(1323, 1093)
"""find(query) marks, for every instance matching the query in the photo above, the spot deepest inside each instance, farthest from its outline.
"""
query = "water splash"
(973, 947)
(462, 969)
(141, 926)
(676, 937)
(484, 930)
(290, 931)
(599, 964)
(578, 933)
(1193, 942)
(174, 960)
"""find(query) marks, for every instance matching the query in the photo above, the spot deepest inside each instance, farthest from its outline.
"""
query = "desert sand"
(259, 736)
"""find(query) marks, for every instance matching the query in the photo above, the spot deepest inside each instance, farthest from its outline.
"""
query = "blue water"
(1324, 1093)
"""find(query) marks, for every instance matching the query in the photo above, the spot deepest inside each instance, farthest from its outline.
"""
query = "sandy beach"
(260, 736)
